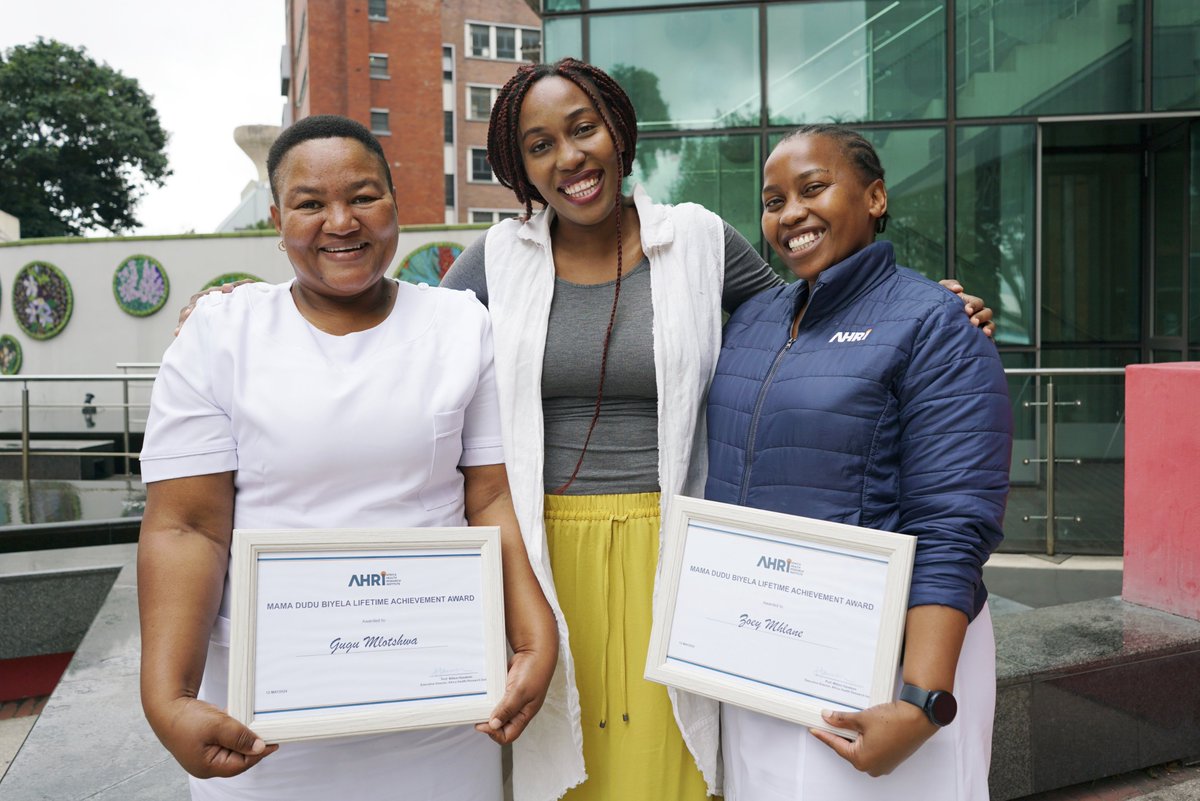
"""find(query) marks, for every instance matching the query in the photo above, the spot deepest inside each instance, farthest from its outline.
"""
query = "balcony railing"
(1068, 473)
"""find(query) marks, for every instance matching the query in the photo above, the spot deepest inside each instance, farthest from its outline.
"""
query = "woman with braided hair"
(607, 313)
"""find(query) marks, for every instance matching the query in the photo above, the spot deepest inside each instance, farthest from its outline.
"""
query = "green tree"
(79, 142)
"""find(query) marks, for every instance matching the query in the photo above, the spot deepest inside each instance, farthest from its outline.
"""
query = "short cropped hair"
(323, 126)
(855, 147)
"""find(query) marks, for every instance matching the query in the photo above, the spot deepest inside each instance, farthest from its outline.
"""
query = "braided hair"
(856, 148)
(508, 165)
(504, 135)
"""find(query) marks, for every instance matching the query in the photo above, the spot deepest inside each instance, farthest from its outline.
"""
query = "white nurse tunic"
(363, 430)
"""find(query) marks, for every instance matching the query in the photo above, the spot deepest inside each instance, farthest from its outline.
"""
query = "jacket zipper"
(762, 396)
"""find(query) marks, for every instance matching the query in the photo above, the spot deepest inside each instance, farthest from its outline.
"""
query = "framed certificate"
(342, 632)
(780, 614)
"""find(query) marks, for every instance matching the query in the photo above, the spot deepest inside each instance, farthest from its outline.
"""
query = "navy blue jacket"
(889, 411)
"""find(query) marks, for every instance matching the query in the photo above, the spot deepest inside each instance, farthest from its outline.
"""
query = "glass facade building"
(1044, 152)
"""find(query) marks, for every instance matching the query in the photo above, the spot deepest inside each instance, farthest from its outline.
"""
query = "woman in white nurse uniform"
(338, 399)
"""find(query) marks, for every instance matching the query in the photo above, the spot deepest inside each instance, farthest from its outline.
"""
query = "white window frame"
(386, 75)
(388, 115)
(377, 17)
(495, 215)
(471, 167)
(493, 91)
(491, 50)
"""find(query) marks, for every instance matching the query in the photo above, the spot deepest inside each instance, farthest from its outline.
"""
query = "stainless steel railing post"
(1051, 519)
(125, 405)
(28, 490)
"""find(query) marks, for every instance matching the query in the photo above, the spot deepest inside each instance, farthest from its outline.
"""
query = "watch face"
(942, 708)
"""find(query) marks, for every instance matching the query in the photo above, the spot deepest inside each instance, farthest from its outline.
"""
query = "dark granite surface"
(49, 613)
(1012, 755)
(91, 740)
(1089, 690)
(1087, 636)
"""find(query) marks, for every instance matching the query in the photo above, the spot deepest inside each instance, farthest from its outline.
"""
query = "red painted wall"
(1162, 487)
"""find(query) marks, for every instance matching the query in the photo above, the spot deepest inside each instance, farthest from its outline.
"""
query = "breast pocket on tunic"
(445, 485)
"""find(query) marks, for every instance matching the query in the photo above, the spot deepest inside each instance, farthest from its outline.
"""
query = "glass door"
(1168, 176)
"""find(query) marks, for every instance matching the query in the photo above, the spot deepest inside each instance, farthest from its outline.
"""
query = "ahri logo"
(851, 336)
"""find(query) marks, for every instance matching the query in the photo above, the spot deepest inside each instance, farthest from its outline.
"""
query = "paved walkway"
(16, 719)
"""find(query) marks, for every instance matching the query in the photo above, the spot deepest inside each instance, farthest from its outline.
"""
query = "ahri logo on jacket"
(851, 336)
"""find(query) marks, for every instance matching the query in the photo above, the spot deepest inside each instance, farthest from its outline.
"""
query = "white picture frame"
(768, 611)
(399, 679)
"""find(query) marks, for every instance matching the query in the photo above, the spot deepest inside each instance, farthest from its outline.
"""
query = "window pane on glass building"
(1019, 57)
(994, 240)
(598, 4)
(721, 173)
(914, 165)
(564, 37)
(1194, 256)
(852, 61)
(1091, 248)
(683, 69)
(1176, 53)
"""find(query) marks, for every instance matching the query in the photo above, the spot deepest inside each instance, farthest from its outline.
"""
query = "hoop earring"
(880, 225)
(282, 247)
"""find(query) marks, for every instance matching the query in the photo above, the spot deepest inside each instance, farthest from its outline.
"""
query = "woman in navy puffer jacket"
(861, 394)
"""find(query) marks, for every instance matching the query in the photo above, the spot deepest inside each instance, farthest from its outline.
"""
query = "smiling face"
(567, 151)
(817, 207)
(336, 216)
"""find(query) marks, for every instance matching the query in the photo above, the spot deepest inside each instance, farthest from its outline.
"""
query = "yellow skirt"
(603, 551)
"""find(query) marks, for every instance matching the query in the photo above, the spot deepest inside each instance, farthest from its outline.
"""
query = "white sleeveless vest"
(686, 248)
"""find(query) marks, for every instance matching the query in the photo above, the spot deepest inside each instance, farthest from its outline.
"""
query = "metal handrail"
(1051, 518)
(1066, 371)
(1050, 401)
(25, 380)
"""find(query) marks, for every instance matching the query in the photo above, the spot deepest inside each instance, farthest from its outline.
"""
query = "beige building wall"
(99, 334)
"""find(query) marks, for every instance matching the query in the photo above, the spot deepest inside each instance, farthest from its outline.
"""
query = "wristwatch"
(939, 706)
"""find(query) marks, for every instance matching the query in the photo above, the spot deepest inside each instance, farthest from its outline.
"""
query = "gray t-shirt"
(622, 456)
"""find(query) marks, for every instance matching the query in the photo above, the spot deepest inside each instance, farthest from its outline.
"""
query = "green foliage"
(79, 142)
(262, 225)
(642, 87)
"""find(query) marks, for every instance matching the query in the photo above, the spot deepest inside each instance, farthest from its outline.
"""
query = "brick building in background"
(422, 75)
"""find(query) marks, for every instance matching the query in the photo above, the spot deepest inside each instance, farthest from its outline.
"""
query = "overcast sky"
(209, 67)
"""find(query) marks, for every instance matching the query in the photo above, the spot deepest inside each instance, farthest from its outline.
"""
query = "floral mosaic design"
(228, 278)
(42, 300)
(140, 286)
(428, 263)
(10, 355)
